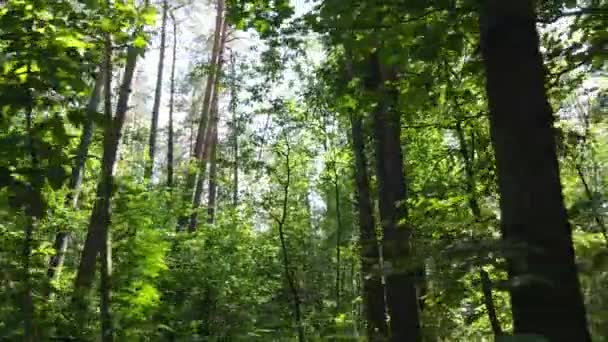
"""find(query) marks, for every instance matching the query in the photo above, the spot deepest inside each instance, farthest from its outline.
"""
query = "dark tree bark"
(402, 300)
(157, 94)
(100, 217)
(373, 290)
(289, 274)
(211, 200)
(533, 213)
(170, 138)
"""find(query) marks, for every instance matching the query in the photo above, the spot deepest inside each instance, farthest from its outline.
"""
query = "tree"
(546, 295)
(400, 287)
(157, 92)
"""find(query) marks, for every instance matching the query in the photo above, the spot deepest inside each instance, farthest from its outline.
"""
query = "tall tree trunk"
(195, 177)
(105, 288)
(532, 210)
(157, 94)
(100, 217)
(289, 274)
(170, 146)
(235, 131)
(338, 235)
(486, 282)
(209, 134)
(62, 239)
(373, 290)
(211, 200)
(401, 290)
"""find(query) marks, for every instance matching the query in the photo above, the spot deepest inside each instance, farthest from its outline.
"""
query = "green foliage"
(292, 233)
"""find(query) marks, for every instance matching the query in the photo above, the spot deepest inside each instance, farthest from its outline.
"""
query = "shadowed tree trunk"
(157, 94)
(373, 290)
(402, 301)
(211, 200)
(546, 299)
(100, 217)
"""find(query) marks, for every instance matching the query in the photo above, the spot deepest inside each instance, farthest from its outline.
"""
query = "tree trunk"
(105, 288)
(235, 132)
(157, 94)
(289, 274)
(486, 282)
(211, 80)
(62, 239)
(195, 179)
(209, 134)
(170, 146)
(547, 300)
(100, 217)
(401, 290)
(373, 290)
(211, 200)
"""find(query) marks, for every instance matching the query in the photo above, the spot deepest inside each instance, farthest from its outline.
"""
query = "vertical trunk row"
(373, 290)
(533, 214)
(194, 178)
(171, 105)
(157, 94)
(202, 127)
(400, 281)
(208, 145)
(100, 217)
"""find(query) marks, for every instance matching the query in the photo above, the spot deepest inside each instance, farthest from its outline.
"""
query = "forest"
(304, 170)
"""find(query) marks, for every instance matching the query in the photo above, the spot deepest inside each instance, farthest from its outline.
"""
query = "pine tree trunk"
(401, 290)
(100, 217)
(547, 300)
(211, 200)
(373, 290)
(195, 179)
(157, 95)
(170, 138)
(209, 134)
(62, 239)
